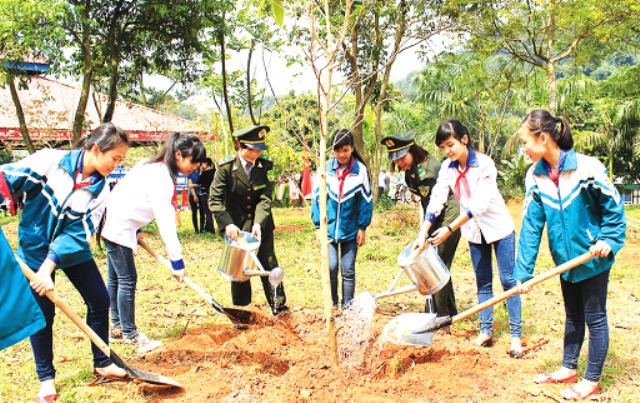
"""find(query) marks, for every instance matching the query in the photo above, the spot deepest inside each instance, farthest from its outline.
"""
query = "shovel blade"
(410, 329)
(241, 316)
(153, 378)
(142, 375)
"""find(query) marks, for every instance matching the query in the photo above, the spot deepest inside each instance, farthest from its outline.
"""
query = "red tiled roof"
(50, 106)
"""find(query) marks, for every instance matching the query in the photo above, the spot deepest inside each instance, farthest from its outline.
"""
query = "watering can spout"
(238, 261)
(397, 291)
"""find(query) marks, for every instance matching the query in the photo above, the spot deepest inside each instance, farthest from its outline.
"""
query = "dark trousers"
(194, 205)
(444, 301)
(585, 304)
(203, 202)
(241, 291)
(88, 281)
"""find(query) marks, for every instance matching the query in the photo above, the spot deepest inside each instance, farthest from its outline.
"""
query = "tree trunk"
(225, 91)
(382, 100)
(224, 131)
(20, 113)
(361, 103)
(114, 60)
(551, 82)
(249, 95)
(113, 90)
(358, 131)
(87, 74)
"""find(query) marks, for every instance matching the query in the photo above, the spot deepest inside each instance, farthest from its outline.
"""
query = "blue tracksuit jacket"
(349, 213)
(585, 207)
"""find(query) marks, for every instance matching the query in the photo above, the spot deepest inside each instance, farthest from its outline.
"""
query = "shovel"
(237, 316)
(134, 373)
(417, 328)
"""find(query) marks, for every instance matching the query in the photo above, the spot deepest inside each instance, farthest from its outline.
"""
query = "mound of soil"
(288, 359)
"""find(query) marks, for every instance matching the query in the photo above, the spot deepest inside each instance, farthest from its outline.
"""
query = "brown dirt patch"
(289, 228)
(288, 361)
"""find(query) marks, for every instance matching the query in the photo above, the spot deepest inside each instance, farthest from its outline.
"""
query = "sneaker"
(116, 336)
(142, 342)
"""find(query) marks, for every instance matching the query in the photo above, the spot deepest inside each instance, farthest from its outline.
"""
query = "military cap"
(253, 136)
(398, 144)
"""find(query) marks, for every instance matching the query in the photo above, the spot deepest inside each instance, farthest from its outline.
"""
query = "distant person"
(294, 192)
(240, 200)
(420, 174)
(192, 194)
(572, 195)
(203, 189)
(484, 221)
(143, 195)
(66, 194)
(349, 207)
(387, 183)
(381, 183)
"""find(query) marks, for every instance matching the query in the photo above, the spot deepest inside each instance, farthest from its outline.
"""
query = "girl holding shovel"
(349, 207)
(484, 221)
(572, 194)
(143, 195)
(65, 196)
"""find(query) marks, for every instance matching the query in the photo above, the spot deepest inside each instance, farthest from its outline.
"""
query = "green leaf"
(277, 10)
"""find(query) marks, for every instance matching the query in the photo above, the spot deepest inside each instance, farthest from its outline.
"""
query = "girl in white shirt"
(484, 221)
(143, 195)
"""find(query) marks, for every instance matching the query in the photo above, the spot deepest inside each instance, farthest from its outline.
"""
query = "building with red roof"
(49, 107)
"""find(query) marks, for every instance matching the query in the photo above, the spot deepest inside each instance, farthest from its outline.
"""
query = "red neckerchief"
(344, 173)
(554, 174)
(78, 182)
(462, 179)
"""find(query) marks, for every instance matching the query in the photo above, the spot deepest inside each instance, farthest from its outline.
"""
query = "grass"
(165, 309)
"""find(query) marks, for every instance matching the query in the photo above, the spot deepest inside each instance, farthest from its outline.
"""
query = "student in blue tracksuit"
(20, 316)
(65, 196)
(572, 195)
(349, 207)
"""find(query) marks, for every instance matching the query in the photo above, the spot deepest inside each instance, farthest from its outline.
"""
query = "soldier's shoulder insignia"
(422, 173)
(226, 159)
(266, 157)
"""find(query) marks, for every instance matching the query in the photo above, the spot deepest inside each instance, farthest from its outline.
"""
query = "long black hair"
(107, 136)
(419, 154)
(188, 145)
(344, 137)
(541, 121)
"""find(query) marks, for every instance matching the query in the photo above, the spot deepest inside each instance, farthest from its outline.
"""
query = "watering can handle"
(414, 255)
(536, 280)
(251, 253)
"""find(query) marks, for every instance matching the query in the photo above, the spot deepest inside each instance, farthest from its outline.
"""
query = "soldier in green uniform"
(240, 199)
(420, 173)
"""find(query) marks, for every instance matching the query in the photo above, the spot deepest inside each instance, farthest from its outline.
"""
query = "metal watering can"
(426, 271)
(238, 261)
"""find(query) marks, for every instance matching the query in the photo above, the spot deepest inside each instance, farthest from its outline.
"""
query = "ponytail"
(188, 145)
(541, 121)
(107, 136)
(565, 139)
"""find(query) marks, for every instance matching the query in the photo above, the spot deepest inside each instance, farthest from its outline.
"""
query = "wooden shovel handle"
(536, 280)
(104, 347)
(166, 263)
